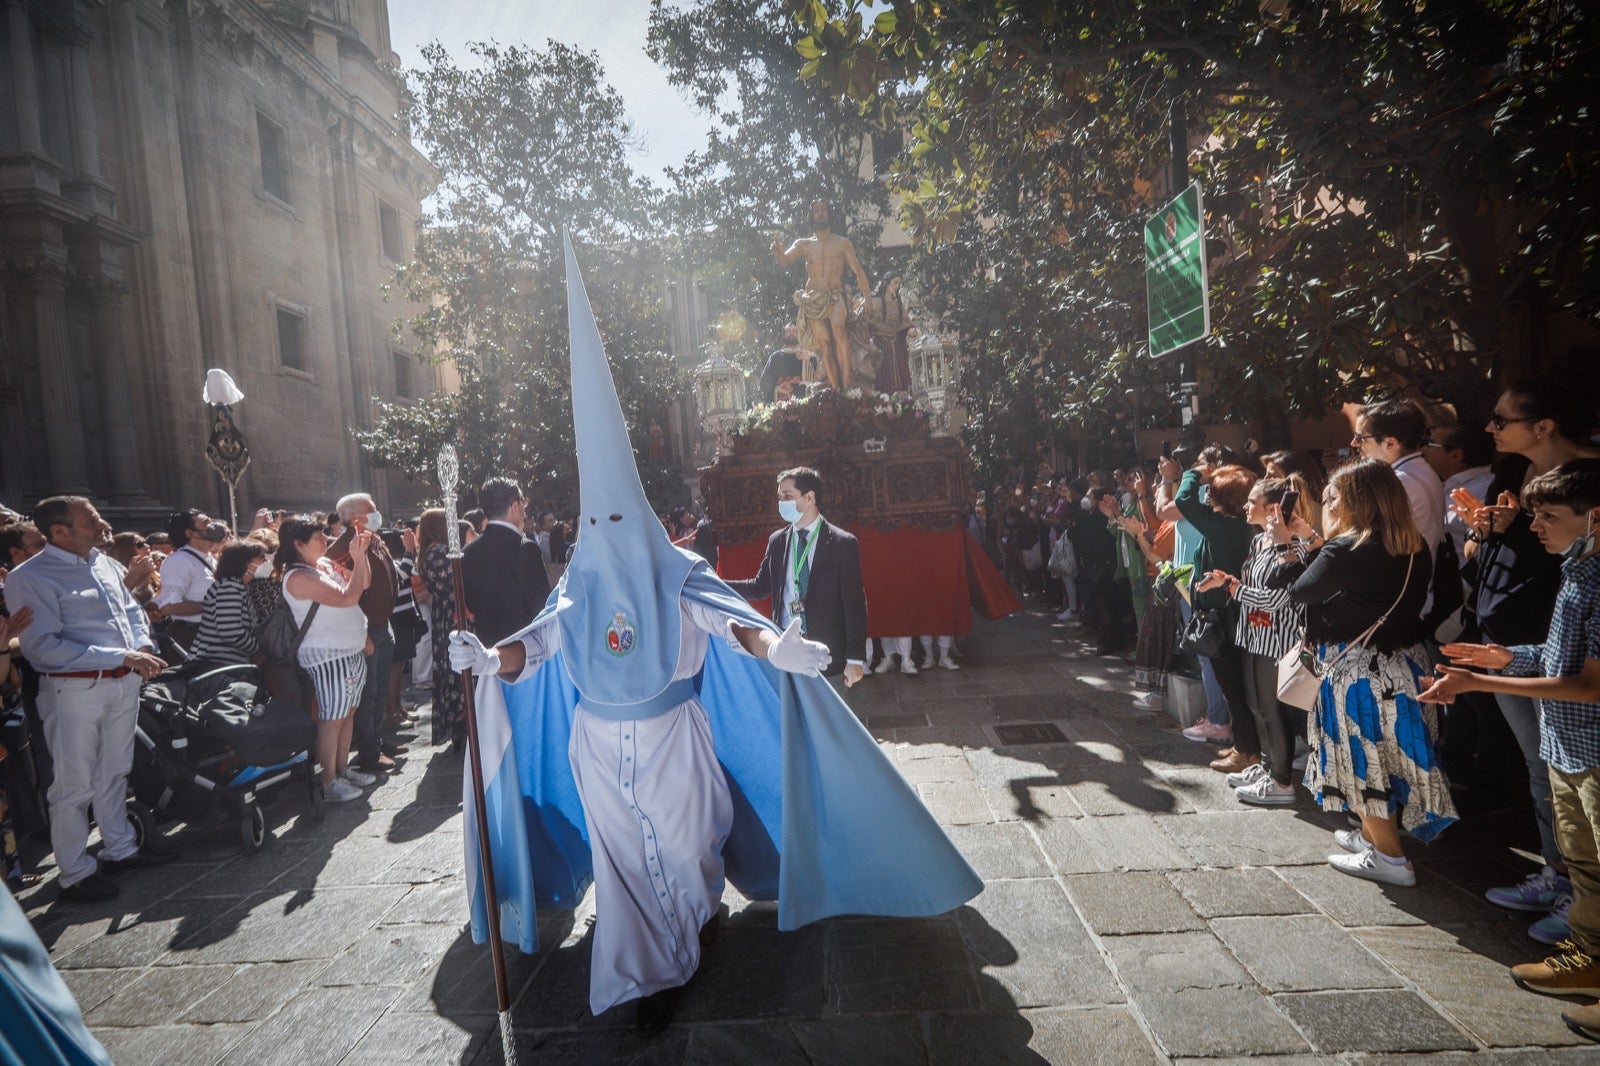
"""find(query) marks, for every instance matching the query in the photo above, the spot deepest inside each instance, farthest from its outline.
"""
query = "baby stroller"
(210, 738)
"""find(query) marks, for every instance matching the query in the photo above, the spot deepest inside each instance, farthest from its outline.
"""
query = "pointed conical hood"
(619, 608)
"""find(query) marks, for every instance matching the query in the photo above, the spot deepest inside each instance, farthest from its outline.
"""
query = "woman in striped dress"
(335, 646)
(229, 620)
(1374, 747)
(1267, 625)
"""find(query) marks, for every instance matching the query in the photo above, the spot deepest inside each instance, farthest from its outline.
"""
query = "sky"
(668, 125)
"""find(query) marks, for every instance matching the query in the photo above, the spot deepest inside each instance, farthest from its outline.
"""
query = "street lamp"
(225, 450)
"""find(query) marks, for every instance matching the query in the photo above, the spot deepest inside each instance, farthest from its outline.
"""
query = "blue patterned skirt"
(1374, 748)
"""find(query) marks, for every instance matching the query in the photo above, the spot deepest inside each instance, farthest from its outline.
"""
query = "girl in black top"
(1374, 746)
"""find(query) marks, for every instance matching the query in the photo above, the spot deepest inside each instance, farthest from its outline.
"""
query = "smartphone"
(1291, 500)
(1166, 449)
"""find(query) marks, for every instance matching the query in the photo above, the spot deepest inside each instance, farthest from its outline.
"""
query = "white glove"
(797, 655)
(468, 653)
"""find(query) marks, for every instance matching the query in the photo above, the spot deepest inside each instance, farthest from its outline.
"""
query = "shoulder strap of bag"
(311, 612)
(1361, 641)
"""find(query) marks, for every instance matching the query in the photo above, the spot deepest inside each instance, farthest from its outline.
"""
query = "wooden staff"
(449, 473)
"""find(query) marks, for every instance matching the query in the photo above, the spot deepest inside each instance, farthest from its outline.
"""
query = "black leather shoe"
(653, 1013)
(137, 861)
(92, 889)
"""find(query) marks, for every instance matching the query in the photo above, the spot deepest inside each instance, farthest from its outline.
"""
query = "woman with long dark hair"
(889, 323)
(1374, 747)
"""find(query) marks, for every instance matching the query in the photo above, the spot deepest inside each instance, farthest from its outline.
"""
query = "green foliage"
(531, 143)
(1395, 188)
(776, 144)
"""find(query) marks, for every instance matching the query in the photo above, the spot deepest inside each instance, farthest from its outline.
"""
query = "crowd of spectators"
(376, 601)
(1435, 549)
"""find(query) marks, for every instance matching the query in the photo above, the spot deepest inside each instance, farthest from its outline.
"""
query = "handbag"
(1063, 561)
(1203, 633)
(1299, 671)
(1032, 558)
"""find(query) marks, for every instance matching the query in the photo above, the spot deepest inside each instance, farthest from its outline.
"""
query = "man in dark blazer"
(502, 572)
(833, 607)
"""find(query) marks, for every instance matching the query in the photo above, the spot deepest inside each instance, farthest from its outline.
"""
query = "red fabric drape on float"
(918, 583)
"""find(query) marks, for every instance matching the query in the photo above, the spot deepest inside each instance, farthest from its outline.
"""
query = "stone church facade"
(192, 184)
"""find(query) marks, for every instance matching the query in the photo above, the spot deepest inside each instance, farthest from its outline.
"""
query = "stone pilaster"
(46, 280)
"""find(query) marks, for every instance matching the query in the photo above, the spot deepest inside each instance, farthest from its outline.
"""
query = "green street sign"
(1175, 274)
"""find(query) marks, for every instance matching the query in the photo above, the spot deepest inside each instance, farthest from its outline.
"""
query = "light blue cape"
(823, 822)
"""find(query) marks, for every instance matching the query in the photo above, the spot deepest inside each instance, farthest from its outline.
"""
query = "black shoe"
(137, 861)
(92, 889)
(375, 764)
(653, 1013)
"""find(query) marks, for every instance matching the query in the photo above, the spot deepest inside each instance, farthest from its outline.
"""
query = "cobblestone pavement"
(1134, 913)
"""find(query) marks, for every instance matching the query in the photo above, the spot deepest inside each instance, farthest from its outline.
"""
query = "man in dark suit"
(812, 571)
(502, 572)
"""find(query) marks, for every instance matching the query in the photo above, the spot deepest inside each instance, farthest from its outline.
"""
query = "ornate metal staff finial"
(449, 476)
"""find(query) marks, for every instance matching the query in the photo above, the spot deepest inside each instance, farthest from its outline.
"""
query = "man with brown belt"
(90, 641)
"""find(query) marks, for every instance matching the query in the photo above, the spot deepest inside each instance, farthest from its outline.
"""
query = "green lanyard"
(801, 560)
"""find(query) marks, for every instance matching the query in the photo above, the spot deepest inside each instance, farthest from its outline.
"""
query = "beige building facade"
(188, 184)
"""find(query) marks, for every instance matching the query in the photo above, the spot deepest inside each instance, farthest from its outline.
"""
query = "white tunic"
(658, 809)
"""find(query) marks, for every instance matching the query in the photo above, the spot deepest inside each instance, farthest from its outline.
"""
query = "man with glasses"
(1394, 432)
(502, 572)
(188, 573)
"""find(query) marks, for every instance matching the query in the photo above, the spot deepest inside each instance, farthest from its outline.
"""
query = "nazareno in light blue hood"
(618, 601)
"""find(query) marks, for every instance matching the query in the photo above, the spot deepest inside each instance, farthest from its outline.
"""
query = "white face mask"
(264, 570)
(375, 520)
(789, 511)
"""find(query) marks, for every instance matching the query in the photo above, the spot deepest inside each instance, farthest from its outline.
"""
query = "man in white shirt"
(188, 572)
(1460, 455)
(1394, 432)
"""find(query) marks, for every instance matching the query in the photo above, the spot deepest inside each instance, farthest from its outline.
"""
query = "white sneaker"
(1150, 701)
(885, 666)
(1369, 866)
(1352, 841)
(1266, 793)
(1248, 776)
(1068, 615)
(907, 666)
(340, 791)
(359, 778)
(948, 663)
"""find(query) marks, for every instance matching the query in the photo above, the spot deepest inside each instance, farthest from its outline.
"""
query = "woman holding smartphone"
(1374, 745)
(1266, 627)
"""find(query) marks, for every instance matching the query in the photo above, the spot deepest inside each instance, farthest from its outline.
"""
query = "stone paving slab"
(1302, 953)
(1133, 912)
(1089, 1037)
(1473, 989)
(1104, 845)
(1031, 949)
(1124, 903)
(1371, 1021)
(1231, 893)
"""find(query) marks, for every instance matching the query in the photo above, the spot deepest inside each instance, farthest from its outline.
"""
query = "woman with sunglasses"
(1539, 425)
(1374, 747)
